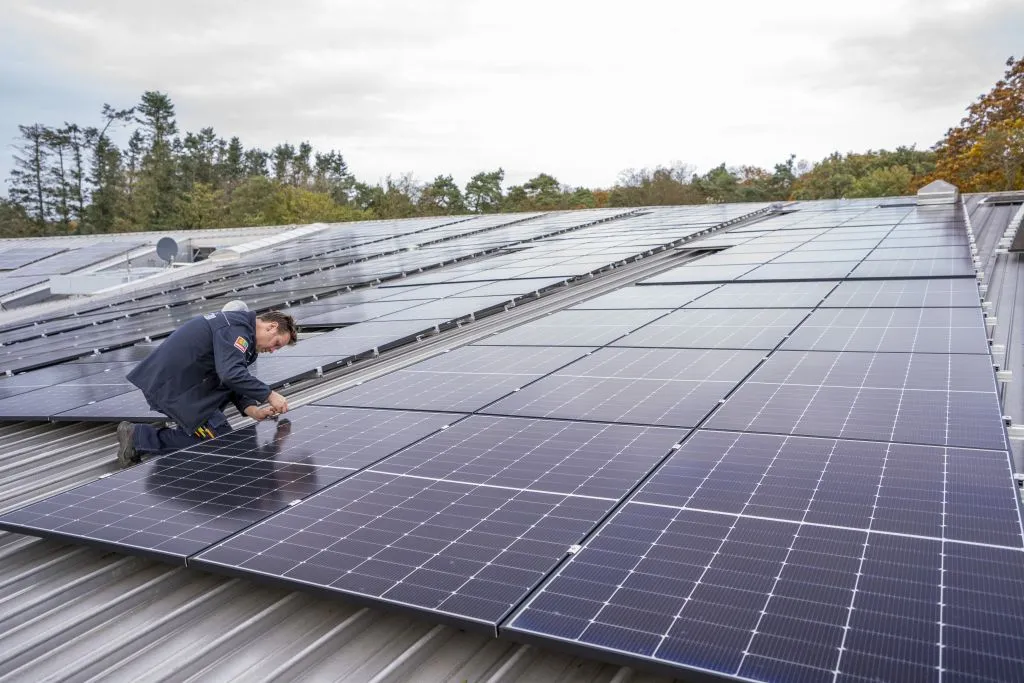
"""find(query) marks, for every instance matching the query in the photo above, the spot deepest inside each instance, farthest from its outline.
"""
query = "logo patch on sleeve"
(242, 344)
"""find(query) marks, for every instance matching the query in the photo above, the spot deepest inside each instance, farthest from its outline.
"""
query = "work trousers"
(150, 440)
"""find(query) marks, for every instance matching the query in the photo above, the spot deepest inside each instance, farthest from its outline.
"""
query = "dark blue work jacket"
(202, 366)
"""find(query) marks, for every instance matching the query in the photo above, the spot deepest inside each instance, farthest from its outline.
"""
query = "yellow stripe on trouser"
(205, 433)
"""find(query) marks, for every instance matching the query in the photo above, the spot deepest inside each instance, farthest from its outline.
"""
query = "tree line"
(74, 179)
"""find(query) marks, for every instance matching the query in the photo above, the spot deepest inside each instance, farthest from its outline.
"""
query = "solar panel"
(12, 259)
(577, 458)
(929, 330)
(456, 551)
(450, 309)
(323, 315)
(717, 329)
(664, 296)
(464, 380)
(922, 268)
(940, 293)
(574, 328)
(339, 438)
(172, 506)
(40, 404)
(821, 256)
(131, 406)
(845, 405)
(785, 558)
(460, 538)
(765, 295)
(829, 270)
(665, 387)
(697, 273)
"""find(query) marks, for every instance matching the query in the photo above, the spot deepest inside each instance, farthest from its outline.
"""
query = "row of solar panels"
(830, 500)
(404, 305)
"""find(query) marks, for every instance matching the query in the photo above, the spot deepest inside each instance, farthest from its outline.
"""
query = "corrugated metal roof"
(72, 613)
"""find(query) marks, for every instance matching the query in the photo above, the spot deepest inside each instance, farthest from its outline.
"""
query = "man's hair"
(285, 323)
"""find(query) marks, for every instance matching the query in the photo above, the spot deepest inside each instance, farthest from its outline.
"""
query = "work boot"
(126, 453)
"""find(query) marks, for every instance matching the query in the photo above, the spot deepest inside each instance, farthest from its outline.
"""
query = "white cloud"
(577, 89)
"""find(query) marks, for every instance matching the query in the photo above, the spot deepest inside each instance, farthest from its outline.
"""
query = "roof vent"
(938, 192)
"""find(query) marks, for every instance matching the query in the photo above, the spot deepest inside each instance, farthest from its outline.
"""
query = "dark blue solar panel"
(665, 296)
(575, 328)
(576, 458)
(346, 438)
(770, 558)
(173, 506)
(697, 273)
(40, 404)
(942, 293)
(928, 330)
(788, 395)
(463, 380)
(131, 406)
(640, 386)
(456, 551)
(717, 328)
(831, 270)
(765, 295)
(921, 268)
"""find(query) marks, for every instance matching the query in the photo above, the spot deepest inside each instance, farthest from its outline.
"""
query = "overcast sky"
(578, 89)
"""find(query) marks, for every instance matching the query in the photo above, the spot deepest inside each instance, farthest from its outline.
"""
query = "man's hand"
(258, 413)
(277, 402)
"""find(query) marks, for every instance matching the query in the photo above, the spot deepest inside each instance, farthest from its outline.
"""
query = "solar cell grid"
(325, 315)
(944, 268)
(663, 296)
(765, 295)
(697, 273)
(172, 506)
(345, 438)
(821, 256)
(923, 330)
(836, 243)
(40, 404)
(831, 270)
(717, 328)
(851, 398)
(450, 309)
(666, 387)
(918, 253)
(459, 551)
(466, 390)
(131, 406)
(554, 456)
(939, 293)
(574, 328)
(757, 556)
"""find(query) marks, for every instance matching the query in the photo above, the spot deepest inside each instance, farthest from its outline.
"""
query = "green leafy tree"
(544, 191)
(14, 221)
(852, 175)
(156, 192)
(331, 176)
(134, 210)
(281, 158)
(232, 165)
(106, 176)
(442, 197)
(301, 167)
(28, 179)
(255, 162)
(200, 207)
(483, 192)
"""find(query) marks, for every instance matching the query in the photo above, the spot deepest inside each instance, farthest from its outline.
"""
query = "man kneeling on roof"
(197, 371)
